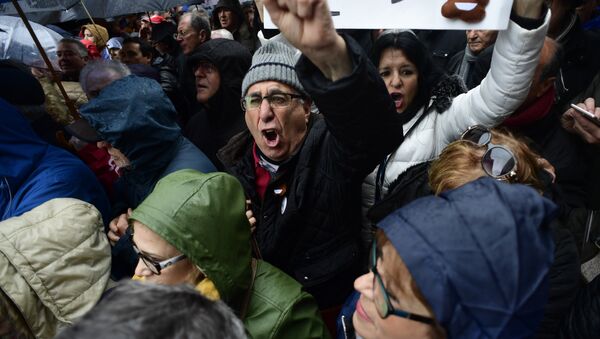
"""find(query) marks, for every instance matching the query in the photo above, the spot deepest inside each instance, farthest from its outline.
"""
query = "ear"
(203, 35)
(306, 106)
(545, 86)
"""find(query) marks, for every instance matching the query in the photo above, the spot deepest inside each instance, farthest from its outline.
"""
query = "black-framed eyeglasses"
(154, 266)
(383, 304)
(498, 161)
(276, 100)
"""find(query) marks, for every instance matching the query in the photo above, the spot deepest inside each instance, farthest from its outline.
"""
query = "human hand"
(250, 216)
(118, 226)
(575, 122)
(307, 25)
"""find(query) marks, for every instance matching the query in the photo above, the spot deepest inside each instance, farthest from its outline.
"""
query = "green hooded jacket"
(204, 217)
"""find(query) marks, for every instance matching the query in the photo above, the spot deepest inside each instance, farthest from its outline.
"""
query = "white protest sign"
(418, 14)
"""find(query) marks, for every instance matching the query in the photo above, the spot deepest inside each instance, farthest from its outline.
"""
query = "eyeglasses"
(276, 100)
(381, 296)
(498, 161)
(181, 34)
(153, 266)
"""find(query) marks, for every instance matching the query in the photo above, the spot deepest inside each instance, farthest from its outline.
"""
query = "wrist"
(332, 60)
(527, 9)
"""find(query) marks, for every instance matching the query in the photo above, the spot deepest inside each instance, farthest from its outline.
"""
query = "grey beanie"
(274, 61)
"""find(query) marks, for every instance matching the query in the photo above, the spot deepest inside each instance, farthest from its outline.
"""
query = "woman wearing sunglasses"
(446, 267)
(498, 154)
(485, 152)
(192, 229)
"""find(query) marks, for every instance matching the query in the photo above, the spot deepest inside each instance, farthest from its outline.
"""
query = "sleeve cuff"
(527, 23)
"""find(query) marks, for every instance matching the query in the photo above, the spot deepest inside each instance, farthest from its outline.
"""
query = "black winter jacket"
(311, 230)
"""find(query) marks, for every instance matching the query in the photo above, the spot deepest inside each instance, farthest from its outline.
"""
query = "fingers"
(586, 129)
(305, 8)
(112, 237)
(589, 105)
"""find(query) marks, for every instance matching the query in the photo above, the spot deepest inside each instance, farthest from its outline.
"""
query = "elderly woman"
(193, 229)
(470, 263)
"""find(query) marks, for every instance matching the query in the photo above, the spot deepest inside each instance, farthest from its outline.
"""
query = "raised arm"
(307, 25)
(503, 90)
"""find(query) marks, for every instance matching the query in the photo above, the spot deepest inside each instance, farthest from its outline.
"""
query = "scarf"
(536, 111)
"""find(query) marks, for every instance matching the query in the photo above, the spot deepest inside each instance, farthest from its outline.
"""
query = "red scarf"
(262, 175)
(536, 111)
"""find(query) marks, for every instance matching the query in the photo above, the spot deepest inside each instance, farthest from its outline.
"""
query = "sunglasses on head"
(498, 161)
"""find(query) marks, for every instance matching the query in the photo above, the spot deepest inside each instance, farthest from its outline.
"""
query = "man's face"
(227, 19)
(478, 40)
(69, 59)
(208, 81)
(279, 132)
(187, 37)
(131, 54)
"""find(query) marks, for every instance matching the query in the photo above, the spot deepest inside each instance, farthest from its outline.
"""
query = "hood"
(100, 34)
(204, 217)
(135, 116)
(20, 149)
(115, 43)
(480, 255)
(232, 60)
(54, 263)
(233, 5)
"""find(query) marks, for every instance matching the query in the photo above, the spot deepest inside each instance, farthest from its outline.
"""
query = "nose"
(472, 34)
(265, 113)
(199, 73)
(396, 80)
(364, 285)
(141, 269)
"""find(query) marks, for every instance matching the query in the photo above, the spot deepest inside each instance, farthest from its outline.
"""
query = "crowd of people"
(188, 174)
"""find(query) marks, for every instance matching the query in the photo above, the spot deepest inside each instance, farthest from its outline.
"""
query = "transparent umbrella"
(16, 42)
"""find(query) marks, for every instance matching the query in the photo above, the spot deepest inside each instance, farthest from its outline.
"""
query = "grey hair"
(83, 52)
(108, 67)
(198, 21)
(140, 310)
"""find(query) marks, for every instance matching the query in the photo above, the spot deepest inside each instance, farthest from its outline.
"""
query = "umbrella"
(49, 11)
(16, 42)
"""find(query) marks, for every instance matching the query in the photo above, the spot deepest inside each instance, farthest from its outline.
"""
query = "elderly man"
(473, 64)
(135, 122)
(192, 31)
(219, 67)
(72, 57)
(302, 172)
(228, 14)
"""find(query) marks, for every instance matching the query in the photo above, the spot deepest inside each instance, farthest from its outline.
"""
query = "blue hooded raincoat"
(480, 254)
(33, 171)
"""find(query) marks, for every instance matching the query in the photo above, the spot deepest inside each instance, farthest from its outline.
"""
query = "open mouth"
(271, 137)
(398, 99)
(465, 6)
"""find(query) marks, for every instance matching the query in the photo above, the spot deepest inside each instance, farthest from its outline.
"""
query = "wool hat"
(274, 61)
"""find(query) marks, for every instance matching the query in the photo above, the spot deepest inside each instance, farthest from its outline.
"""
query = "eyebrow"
(151, 255)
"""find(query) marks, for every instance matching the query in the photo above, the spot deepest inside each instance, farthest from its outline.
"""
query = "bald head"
(546, 70)
(98, 74)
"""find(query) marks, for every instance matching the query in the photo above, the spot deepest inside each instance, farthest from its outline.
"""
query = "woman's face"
(88, 36)
(400, 76)
(153, 246)
(366, 319)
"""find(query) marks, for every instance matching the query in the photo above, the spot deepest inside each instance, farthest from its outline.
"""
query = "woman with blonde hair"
(480, 152)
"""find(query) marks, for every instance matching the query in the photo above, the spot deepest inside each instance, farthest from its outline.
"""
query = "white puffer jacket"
(514, 61)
